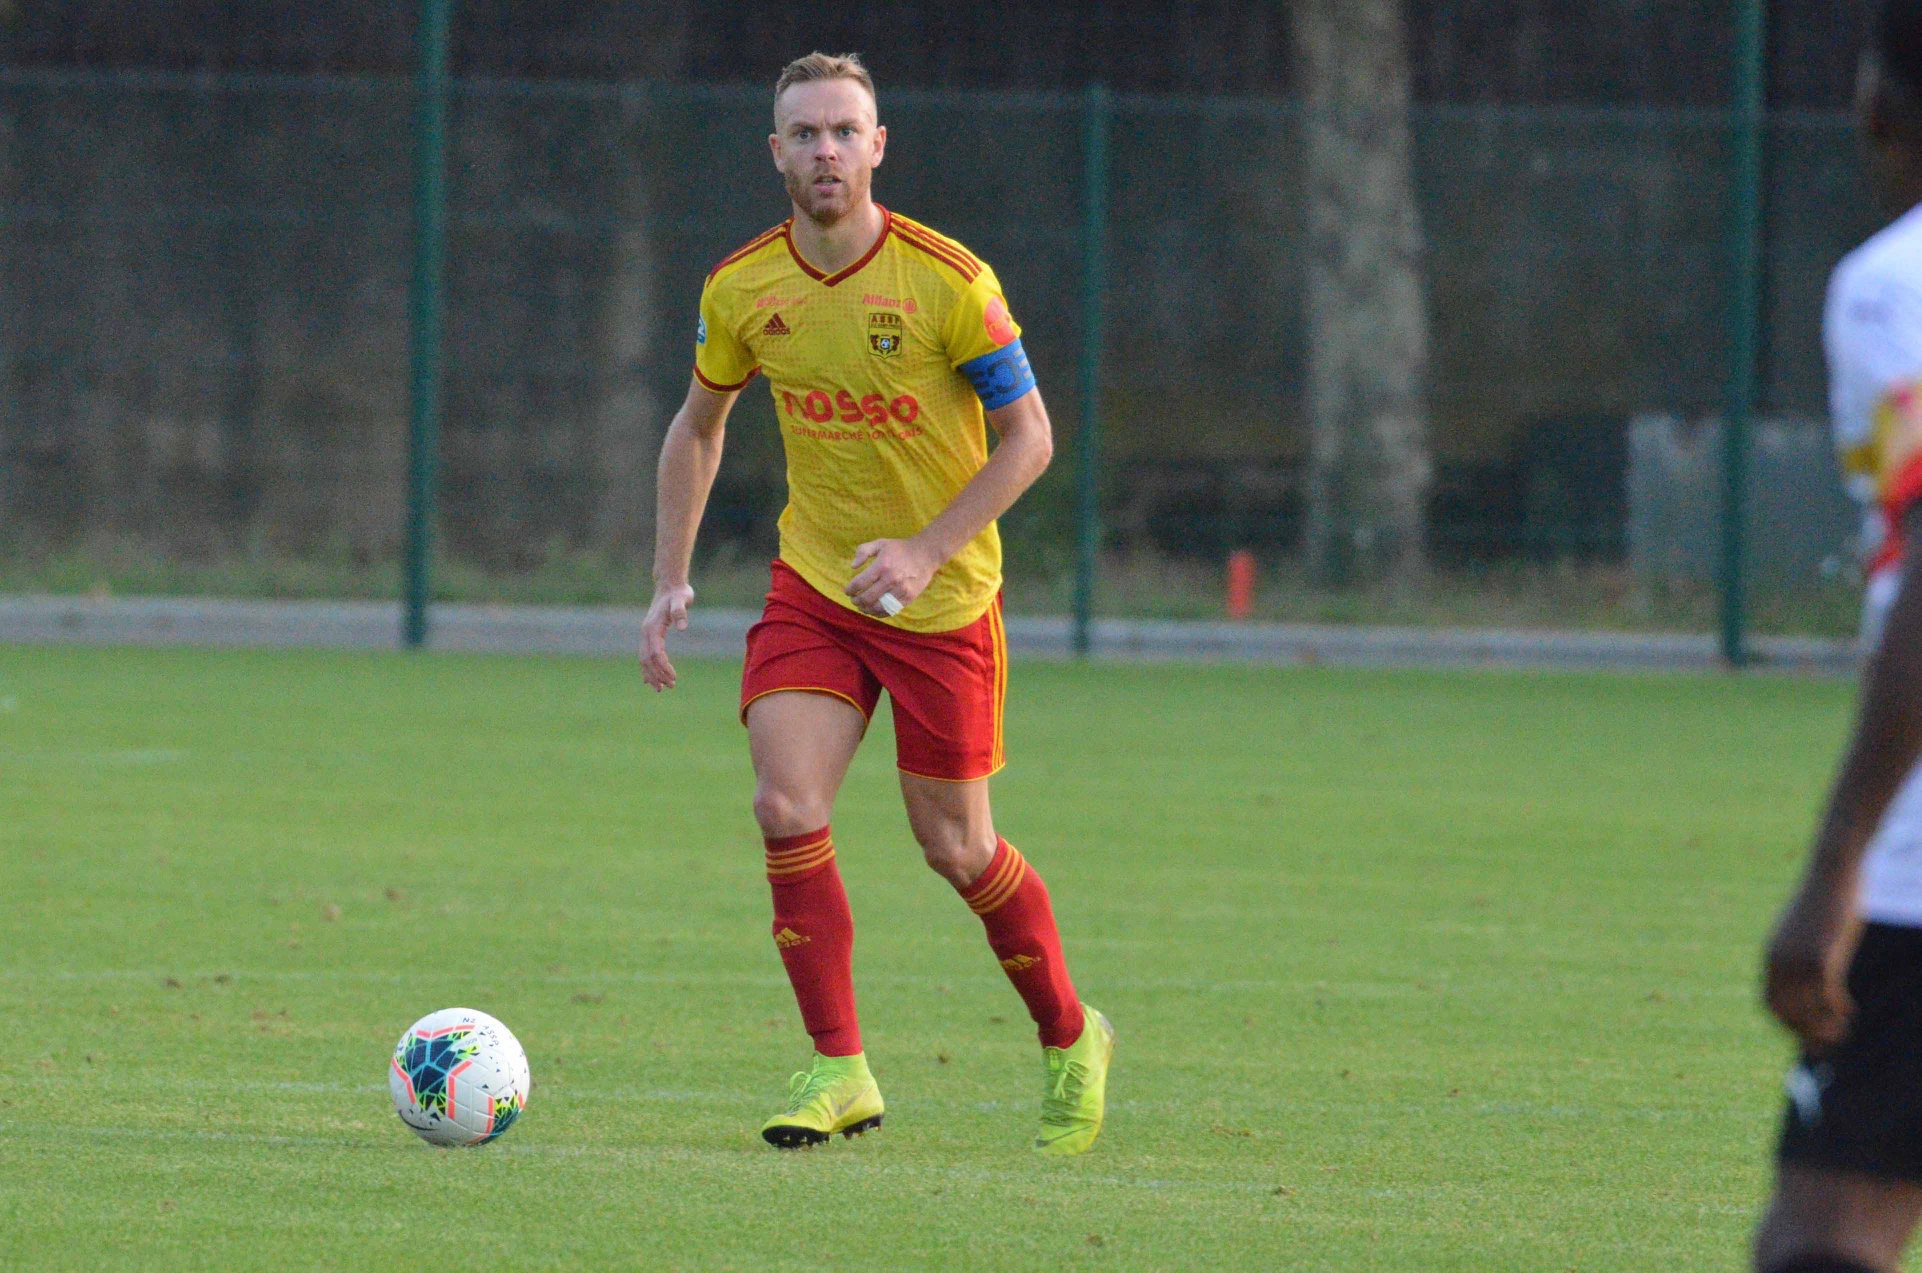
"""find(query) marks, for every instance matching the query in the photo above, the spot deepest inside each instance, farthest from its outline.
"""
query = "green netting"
(203, 327)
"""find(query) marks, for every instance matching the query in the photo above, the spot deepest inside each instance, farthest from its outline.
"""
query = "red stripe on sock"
(1022, 934)
(785, 843)
(814, 930)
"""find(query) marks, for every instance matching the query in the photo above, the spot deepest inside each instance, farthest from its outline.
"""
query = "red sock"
(1013, 905)
(815, 930)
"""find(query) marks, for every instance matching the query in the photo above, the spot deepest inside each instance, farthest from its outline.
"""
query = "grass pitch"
(1411, 971)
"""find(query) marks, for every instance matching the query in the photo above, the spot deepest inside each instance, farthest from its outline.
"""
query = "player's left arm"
(1805, 979)
(903, 567)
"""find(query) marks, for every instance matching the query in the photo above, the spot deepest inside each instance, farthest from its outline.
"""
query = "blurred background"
(1428, 312)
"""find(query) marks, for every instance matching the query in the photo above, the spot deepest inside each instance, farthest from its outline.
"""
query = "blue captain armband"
(1000, 377)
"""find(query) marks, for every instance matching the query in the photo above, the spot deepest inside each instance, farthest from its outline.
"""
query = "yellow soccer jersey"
(879, 374)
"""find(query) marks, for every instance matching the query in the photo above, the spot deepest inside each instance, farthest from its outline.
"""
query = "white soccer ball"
(458, 1077)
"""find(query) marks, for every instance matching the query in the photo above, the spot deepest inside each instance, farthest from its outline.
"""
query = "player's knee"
(781, 812)
(951, 865)
(954, 856)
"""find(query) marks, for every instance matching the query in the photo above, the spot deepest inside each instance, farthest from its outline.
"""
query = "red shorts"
(946, 687)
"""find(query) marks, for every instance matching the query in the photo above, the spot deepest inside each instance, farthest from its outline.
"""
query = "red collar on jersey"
(829, 280)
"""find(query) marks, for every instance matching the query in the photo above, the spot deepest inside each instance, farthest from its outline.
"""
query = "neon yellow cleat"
(1074, 1097)
(836, 1095)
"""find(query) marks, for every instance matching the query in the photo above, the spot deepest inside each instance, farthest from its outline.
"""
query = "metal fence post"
(1098, 109)
(426, 304)
(1744, 320)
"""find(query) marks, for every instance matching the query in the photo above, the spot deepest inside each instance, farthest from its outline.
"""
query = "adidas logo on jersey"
(775, 327)
(1019, 963)
(787, 938)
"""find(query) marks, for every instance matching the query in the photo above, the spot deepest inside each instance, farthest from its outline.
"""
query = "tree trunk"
(628, 420)
(1369, 465)
(625, 420)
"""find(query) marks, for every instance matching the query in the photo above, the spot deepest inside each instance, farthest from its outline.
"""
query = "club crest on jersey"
(884, 334)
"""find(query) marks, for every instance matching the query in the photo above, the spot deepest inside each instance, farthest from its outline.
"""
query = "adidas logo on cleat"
(1020, 963)
(775, 327)
(787, 939)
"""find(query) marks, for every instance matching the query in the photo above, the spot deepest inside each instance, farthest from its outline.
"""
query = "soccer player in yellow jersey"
(888, 348)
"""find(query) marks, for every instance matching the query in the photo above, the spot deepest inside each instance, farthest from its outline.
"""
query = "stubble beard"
(826, 214)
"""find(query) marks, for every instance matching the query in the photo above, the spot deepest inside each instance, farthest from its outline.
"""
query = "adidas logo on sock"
(1020, 963)
(787, 938)
(775, 327)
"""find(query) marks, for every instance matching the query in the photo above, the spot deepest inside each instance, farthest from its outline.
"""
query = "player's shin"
(1013, 905)
(814, 929)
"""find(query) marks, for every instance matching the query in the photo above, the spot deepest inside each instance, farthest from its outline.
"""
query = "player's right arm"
(1808, 953)
(690, 455)
(1873, 330)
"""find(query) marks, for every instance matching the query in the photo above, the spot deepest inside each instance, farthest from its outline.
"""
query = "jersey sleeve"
(984, 343)
(1873, 339)
(721, 362)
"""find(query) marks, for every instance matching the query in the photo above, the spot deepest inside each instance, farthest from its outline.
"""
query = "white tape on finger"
(890, 606)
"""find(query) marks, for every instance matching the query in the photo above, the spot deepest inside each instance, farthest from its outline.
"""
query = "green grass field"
(1411, 971)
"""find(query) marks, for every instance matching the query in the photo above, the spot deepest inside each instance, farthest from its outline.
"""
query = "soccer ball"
(458, 1077)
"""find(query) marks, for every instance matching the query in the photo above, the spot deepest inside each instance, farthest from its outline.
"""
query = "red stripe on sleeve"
(1903, 490)
(939, 253)
(760, 240)
(718, 388)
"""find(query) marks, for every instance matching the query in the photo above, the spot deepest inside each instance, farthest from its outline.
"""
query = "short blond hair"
(825, 66)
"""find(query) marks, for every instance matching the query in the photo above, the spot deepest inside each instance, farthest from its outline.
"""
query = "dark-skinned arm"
(1809, 951)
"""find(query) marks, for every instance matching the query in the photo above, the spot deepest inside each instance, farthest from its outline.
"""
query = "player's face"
(827, 145)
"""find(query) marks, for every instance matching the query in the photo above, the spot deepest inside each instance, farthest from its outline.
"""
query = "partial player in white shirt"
(1872, 332)
(1843, 967)
(1872, 329)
